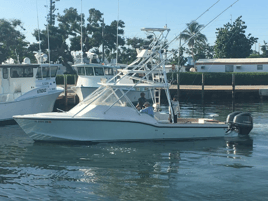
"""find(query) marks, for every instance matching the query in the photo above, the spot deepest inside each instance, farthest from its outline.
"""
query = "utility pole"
(52, 9)
(50, 13)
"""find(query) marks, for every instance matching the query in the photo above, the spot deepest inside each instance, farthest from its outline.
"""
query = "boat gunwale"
(157, 125)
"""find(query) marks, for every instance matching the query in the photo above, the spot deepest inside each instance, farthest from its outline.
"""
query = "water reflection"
(239, 146)
(163, 170)
(138, 170)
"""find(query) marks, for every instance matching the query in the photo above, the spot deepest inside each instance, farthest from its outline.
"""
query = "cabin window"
(54, 71)
(259, 67)
(5, 73)
(28, 72)
(202, 67)
(39, 74)
(108, 71)
(46, 72)
(89, 71)
(238, 67)
(98, 71)
(81, 71)
(16, 72)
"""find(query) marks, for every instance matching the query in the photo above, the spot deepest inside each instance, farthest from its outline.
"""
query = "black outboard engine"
(241, 122)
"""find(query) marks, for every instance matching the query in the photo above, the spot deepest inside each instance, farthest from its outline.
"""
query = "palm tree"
(192, 34)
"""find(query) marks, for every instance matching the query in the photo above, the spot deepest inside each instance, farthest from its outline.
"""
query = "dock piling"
(203, 85)
(233, 86)
(65, 90)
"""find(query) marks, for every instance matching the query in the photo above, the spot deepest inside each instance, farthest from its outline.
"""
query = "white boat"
(107, 114)
(91, 74)
(27, 88)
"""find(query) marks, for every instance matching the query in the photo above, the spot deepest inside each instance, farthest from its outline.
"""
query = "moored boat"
(27, 88)
(91, 74)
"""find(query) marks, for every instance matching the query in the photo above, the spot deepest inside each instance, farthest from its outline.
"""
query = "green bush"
(195, 78)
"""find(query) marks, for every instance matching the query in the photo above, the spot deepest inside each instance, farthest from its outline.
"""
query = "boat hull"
(133, 95)
(30, 105)
(98, 130)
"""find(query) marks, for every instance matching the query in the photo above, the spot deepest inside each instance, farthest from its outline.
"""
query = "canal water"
(220, 169)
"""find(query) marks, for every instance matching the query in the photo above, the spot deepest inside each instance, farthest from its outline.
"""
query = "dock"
(187, 92)
(221, 91)
(68, 101)
(238, 88)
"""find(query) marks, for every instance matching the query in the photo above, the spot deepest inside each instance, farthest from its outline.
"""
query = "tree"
(68, 27)
(192, 35)
(264, 49)
(12, 41)
(128, 53)
(203, 51)
(96, 34)
(176, 59)
(232, 42)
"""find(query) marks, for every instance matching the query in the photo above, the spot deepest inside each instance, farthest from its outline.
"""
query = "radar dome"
(26, 60)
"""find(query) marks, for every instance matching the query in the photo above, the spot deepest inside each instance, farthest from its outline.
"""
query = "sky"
(138, 14)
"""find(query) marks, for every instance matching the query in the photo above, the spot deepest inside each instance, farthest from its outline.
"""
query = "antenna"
(178, 36)
(38, 28)
(117, 34)
(81, 35)
(48, 47)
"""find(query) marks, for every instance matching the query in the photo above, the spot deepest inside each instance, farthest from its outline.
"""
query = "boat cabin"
(94, 70)
(17, 79)
(92, 74)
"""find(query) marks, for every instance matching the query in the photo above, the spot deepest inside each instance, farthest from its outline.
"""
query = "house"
(232, 65)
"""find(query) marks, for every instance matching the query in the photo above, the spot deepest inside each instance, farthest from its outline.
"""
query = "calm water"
(222, 169)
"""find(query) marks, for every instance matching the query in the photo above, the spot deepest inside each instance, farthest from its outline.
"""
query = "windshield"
(107, 96)
(89, 71)
(98, 71)
(80, 70)
(108, 71)
(54, 71)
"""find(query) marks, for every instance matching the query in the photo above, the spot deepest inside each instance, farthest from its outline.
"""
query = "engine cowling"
(230, 117)
(241, 122)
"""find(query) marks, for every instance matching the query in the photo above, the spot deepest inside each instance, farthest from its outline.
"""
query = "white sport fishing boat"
(27, 88)
(90, 75)
(107, 116)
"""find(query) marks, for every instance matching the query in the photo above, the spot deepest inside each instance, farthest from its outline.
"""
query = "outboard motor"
(230, 117)
(241, 122)
(244, 123)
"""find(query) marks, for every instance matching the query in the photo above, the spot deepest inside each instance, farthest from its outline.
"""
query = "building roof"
(234, 61)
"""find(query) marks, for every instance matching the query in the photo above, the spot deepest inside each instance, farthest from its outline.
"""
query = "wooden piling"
(65, 90)
(178, 85)
(233, 86)
(203, 84)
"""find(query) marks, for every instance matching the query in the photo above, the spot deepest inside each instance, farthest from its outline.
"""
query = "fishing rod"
(195, 20)
(201, 28)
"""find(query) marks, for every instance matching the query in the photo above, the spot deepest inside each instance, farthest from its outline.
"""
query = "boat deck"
(191, 120)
